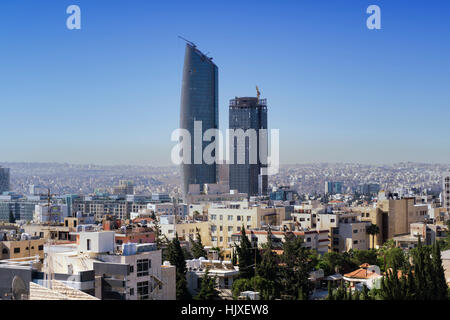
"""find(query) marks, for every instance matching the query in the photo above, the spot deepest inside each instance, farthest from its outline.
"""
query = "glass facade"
(4, 180)
(16, 210)
(199, 102)
(248, 113)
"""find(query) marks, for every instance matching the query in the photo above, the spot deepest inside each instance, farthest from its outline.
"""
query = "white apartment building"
(130, 272)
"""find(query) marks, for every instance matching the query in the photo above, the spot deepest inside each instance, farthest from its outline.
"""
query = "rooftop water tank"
(25, 236)
(129, 249)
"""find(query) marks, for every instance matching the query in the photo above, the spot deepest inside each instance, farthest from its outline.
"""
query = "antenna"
(190, 42)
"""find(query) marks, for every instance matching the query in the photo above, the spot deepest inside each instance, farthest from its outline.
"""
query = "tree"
(364, 256)
(158, 234)
(208, 289)
(176, 258)
(373, 230)
(425, 279)
(197, 248)
(265, 287)
(241, 285)
(330, 291)
(395, 259)
(268, 268)
(440, 284)
(246, 257)
(296, 268)
(335, 262)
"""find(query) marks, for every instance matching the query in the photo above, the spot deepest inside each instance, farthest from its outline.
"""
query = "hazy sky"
(110, 92)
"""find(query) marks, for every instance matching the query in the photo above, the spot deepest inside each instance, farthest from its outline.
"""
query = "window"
(221, 217)
(88, 244)
(355, 242)
(74, 223)
(142, 267)
(131, 269)
(131, 291)
(16, 250)
(238, 229)
(230, 218)
(67, 223)
(355, 231)
(308, 239)
(238, 218)
(221, 239)
(41, 247)
(213, 217)
(142, 290)
(221, 228)
(230, 229)
(249, 218)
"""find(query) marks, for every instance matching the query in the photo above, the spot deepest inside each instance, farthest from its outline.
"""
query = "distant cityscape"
(303, 178)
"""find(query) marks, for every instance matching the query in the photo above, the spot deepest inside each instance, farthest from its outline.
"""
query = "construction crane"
(190, 42)
(258, 93)
(48, 261)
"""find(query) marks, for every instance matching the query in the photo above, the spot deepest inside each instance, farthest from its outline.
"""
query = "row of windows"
(143, 265)
(230, 218)
(229, 229)
(213, 238)
(17, 250)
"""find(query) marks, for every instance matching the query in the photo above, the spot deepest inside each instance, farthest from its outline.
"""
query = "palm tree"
(373, 230)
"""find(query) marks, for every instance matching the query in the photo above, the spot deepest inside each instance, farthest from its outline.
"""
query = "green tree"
(246, 257)
(208, 289)
(264, 286)
(395, 259)
(295, 268)
(268, 267)
(241, 285)
(440, 284)
(359, 257)
(176, 258)
(197, 248)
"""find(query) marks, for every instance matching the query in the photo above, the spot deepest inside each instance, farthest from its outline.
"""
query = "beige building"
(16, 249)
(346, 229)
(394, 217)
(228, 219)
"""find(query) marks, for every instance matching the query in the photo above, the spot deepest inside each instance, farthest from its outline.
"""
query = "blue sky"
(110, 92)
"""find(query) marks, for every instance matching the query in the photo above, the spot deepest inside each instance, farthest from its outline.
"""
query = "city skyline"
(338, 92)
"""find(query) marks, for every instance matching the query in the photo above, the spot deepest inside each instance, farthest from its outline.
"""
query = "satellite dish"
(19, 288)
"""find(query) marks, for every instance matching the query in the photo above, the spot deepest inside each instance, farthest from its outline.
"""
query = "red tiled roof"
(361, 273)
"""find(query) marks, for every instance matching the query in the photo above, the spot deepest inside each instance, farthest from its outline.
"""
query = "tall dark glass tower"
(248, 113)
(199, 102)
(4, 180)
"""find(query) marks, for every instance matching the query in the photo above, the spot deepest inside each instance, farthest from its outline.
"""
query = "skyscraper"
(4, 180)
(446, 192)
(333, 187)
(248, 113)
(199, 102)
